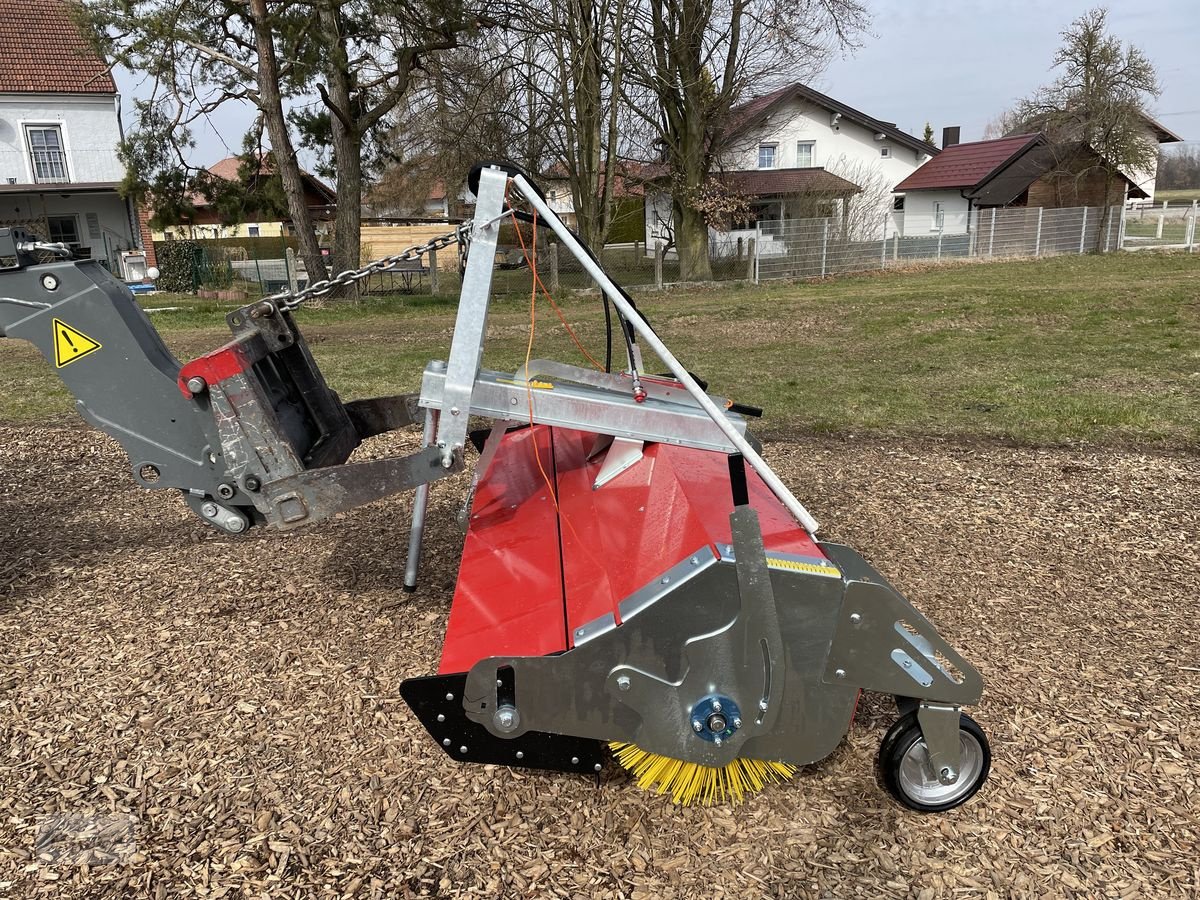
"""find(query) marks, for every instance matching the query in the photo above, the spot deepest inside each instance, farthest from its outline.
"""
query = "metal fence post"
(883, 243)
(824, 246)
(1191, 230)
(1037, 244)
(941, 231)
(658, 265)
(1161, 218)
(1121, 230)
(1108, 230)
(289, 268)
(1083, 231)
(992, 235)
(433, 271)
(752, 260)
(896, 247)
(554, 267)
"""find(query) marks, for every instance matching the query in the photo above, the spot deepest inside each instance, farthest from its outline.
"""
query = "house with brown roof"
(60, 124)
(796, 153)
(1021, 170)
(209, 222)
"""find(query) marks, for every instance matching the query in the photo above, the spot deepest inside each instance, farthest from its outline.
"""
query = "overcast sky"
(946, 62)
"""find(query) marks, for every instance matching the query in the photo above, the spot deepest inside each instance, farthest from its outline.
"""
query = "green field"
(1101, 349)
(1184, 195)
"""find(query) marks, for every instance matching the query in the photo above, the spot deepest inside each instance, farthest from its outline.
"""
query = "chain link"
(289, 300)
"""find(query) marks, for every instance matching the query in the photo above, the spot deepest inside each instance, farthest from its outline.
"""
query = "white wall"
(90, 131)
(842, 146)
(114, 231)
(918, 219)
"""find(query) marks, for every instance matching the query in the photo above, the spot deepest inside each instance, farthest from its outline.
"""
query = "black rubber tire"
(896, 743)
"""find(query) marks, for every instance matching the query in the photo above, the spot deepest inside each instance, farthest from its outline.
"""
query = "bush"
(177, 265)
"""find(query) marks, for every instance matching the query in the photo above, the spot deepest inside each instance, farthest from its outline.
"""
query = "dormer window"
(766, 156)
(46, 155)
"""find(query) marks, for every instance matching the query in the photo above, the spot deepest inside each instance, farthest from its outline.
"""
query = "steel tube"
(420, 503)
(757, 463)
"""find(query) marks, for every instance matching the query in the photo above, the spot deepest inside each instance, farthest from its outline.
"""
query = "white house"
(60, 123)
(1144, 180)
(794, 146)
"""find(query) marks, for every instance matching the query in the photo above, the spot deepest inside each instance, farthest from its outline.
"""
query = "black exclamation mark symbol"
(67, 335)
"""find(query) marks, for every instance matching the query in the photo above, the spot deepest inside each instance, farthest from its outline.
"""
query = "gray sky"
(945, 62)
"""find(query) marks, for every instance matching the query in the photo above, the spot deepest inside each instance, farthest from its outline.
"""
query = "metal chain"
(289, 300)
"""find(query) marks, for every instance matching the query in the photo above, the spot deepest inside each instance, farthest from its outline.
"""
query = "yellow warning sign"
(70, 344)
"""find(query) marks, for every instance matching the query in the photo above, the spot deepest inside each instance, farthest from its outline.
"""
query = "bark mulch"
(183, 714)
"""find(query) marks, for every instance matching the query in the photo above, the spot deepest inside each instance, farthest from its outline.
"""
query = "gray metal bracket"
(470, 326)
(883, 644)
(940, 728)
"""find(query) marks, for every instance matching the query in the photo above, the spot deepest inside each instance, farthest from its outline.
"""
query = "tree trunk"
(347, 153)
(271, 104)
(691, 243)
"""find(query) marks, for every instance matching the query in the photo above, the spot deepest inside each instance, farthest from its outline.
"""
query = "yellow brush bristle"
(690, 782)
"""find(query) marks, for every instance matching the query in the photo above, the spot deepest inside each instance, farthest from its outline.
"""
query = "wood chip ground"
(188, 715)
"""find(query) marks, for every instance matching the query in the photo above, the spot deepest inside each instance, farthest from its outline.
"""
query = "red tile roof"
(966, 165)
(230, 169)
(43, 51)
(766, 182)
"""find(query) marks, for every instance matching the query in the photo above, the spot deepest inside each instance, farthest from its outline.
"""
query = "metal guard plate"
(426, 697)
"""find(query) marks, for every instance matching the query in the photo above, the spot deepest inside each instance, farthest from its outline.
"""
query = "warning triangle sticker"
(70, 344)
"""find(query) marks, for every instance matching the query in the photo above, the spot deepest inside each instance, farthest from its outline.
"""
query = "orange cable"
(528, 385)
(537, 280)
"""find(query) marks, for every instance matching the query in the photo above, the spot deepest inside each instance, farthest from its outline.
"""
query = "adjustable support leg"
(420, 503)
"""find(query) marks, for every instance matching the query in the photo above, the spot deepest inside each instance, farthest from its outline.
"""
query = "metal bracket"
(940, 727)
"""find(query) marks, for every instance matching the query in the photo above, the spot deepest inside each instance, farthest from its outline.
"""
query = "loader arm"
(249, 433)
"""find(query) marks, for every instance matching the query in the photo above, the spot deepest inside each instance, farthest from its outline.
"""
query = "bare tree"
(1095, 112)
(689, 62)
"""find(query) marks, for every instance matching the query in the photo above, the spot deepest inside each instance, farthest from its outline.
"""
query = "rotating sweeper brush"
(635, 582)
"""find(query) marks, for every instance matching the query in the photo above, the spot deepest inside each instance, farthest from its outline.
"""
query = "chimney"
(950, 136)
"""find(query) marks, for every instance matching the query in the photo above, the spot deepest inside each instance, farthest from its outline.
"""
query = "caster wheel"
(903, 768)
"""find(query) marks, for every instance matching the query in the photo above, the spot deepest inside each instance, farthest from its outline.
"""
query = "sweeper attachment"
(635, 579)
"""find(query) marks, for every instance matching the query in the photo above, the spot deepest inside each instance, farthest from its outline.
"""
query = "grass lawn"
(1102, 349)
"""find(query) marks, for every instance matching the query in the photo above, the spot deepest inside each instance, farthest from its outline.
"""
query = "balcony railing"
(49, 166)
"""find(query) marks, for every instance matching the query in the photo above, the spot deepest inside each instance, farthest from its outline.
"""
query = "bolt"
(454, 410)
(520, 754)
(597, 767)
(513, 401)
(574, 760)
(697, 726)
(716, 706)
(908, 664)
(225, 491)
(449, 696)
(441, 718)
(947, 776)
(717, 740)
(252, 483)
(196, 384)
(236, 526)
(446, 742)
(762, 705)
(666, 580)
(623, 682)
(506, 718)
(210, 510)
(462, 749)
(737, 721)
(695, 562)
(717, 723)
(840, 673)
(855, 618)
